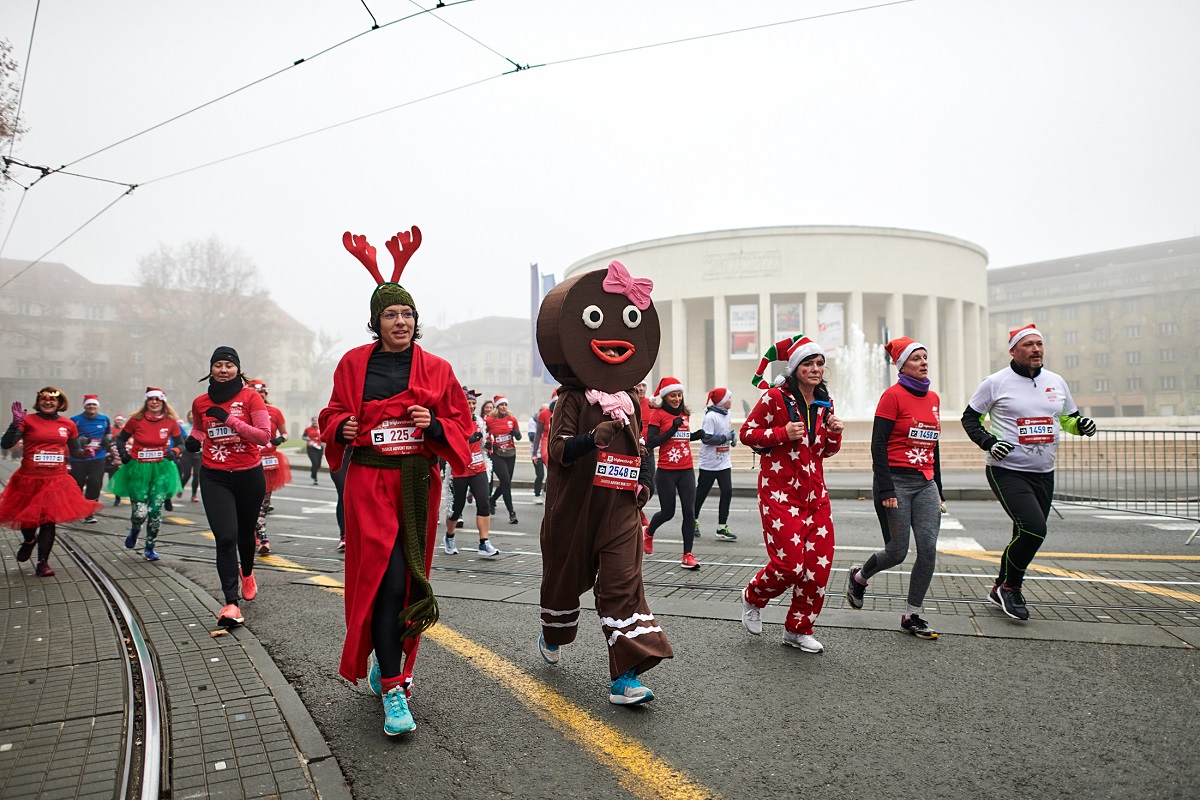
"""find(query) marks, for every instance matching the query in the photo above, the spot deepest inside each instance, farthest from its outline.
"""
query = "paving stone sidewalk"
(232, 727)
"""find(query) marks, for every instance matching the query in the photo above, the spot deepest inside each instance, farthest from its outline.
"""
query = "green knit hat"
(389, 294)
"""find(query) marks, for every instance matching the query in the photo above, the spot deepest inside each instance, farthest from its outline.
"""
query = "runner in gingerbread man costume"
(598, 335)
(793, 428)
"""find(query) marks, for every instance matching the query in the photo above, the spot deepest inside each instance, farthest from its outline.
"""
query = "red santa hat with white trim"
(718, 396)
(900, 349)
(666, 386)
(1017, 334)
(793, 350)
(91, 398)
(498, 399)
(153, 392)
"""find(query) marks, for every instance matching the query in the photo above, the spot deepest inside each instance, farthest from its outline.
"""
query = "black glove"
(125, 457)
(192, 444)
(1001, 449)
(278, 440)
(474, 437)
(1087, 426)
(517, 435)
(217, 413)
(173, 454)
(675, 425)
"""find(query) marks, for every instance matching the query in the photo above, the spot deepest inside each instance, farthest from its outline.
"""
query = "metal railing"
(1143, 471)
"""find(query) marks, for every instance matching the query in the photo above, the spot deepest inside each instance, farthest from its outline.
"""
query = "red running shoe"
(43, 570)
(647, 544)
(249, 586)
(230, 616)
(689, 561)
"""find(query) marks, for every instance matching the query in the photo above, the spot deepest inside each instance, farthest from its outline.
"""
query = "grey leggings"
(919, 511)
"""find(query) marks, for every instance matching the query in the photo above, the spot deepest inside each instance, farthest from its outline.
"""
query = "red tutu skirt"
(280, 476)
(31, 500)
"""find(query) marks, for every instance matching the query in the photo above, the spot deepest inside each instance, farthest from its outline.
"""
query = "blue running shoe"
(150, 554)
(627, 690)
(132, 538)
(550, 652)
(397, 719)
(373, 681)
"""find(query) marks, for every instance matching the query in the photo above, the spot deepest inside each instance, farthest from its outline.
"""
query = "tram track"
(140, 774)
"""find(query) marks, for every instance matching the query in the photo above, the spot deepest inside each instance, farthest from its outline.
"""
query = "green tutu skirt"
(145, 481)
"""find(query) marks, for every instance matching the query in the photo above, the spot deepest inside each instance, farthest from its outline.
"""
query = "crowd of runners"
(409, 448)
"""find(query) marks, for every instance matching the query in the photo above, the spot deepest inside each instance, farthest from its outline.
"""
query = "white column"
(720, 341)
(810, 315)
(895, 315)
(927, 324)
(985, 347)
(854, 313)
(679, 342)
(954, 363)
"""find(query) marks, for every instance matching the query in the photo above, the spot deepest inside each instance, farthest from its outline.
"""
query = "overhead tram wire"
(469, 36)
(24, 75)
(470, 84)
(64, 240)
(265, 78)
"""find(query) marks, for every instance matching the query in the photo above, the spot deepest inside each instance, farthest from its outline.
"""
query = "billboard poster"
(831, 325)
(743, 332)
(789, 320)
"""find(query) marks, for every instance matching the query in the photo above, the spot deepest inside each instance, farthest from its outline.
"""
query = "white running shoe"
(451, 547)
(805, 641)
(751, 616)
(486, 550)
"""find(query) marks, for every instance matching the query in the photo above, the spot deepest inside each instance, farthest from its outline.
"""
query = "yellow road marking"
(179, 520)
(637, 769)
(1161, 591)
(1084, 556)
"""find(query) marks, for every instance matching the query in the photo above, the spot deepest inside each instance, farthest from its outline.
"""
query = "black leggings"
(45, 538)
(724, 480)
(478, 484)
(89, 475)
(668, 482)
(339, 483)
(1026, 498)
(390, 600)
(189, 469)
(314, 458)
(503, 467)
(539, 476)
(231, 503)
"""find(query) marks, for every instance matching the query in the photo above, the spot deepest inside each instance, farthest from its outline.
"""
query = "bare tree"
(10, 101)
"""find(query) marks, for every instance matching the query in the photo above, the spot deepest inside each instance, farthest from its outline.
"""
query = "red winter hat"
(1017, 334)
(718, 396)
(91, 398)
(793, 350)
(498, 399)
(900, 349)
(666, 386)
(159, 393)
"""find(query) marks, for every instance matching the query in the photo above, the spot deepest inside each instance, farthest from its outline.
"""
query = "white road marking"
(329, 509)
(1173, 526)
(958, 543)
(283, 516)
(308, 500)
(951, 524)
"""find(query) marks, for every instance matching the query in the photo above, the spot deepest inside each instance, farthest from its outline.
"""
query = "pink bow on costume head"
(619, 281)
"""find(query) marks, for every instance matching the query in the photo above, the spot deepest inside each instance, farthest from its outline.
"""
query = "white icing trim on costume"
(552, 612)
(574, 624)
(621, 623)
(633, 634)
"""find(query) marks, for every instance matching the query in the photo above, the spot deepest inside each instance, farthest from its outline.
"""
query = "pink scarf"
(618, 406)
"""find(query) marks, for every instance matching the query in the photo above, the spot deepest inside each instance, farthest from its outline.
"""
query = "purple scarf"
(918, 386)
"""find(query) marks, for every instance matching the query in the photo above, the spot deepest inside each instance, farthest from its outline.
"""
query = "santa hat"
(1017, 334)
(718, 396)
(153, 392)
(666, 386)
(91, 398)
(793, 350)
(498, 399)
(900, 349)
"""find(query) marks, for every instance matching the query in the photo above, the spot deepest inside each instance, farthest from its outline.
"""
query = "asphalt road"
(879, 714)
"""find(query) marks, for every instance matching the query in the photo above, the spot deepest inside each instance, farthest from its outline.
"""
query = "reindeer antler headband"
(401, 246)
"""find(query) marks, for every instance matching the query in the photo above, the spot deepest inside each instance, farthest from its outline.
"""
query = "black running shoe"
(168, 505)
(1010, 601)
(918, 627)
(855, 591)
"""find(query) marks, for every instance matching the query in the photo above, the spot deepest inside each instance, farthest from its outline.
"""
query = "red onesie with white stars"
(796, 515)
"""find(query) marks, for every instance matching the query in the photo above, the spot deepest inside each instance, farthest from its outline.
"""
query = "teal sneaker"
(627, 690)
(373, 680)
(550, 652)
(726, 535)
(397, 719)
(697, 531)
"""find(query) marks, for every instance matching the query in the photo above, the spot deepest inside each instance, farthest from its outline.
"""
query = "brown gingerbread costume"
(598, 335)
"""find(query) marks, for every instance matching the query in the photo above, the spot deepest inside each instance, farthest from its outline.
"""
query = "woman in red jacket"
(41, 493)
(793, 428)
(669, 430)
(503, 431)
(232, 423)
